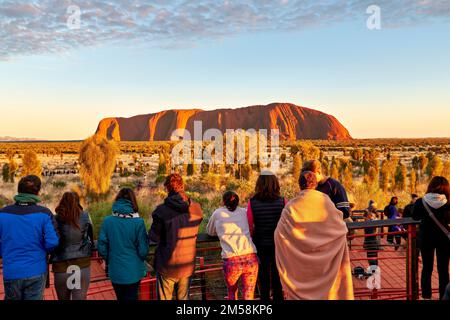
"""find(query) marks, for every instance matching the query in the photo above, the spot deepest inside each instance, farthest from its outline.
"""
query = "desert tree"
(97, 159)
(435, 167)
(347, 176)
(13, 167)
(400, 177)
(423, 163)
(296, 167)
(246, 172)
(371, 178)
(190, 169)
(413, 181)
(31, 164)
(5, 173)
(334, 169)
(446, 170)
(385, 176)
(162, 165)
(325, 166)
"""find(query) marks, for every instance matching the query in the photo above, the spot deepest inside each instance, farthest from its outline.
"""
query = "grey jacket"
(74, 243)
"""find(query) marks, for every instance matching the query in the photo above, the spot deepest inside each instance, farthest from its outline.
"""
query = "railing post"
(144, 288)
(202, 278)
(412, 274)
(374, 295)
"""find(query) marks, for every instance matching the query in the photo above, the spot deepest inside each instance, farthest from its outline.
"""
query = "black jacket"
(266, 215)
(429, 232)
(175, 228)
(74, 243)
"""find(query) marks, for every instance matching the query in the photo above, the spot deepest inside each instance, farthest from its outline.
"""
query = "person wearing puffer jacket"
(431, 237)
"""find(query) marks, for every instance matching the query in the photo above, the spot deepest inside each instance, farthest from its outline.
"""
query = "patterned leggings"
(245, 267)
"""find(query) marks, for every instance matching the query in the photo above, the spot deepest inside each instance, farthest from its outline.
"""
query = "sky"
(59, 78)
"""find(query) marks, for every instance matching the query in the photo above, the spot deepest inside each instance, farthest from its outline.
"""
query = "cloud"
(38, 27)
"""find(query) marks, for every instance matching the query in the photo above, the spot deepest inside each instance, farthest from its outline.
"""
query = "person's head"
(128, 194)
(369, 215)
(439, 185)
(30, 185)
(174, 183)
(307, 180)
(372, 204)
(69, 209)
(394, 201)
(414, 198)
(267, 187)
(230, 200)
(315, 167)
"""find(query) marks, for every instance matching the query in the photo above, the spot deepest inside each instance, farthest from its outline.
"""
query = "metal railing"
(208, 281)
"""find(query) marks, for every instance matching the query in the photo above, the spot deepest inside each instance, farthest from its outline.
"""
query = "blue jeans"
(25, 289)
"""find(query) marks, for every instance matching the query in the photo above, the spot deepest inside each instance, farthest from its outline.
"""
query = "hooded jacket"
(428, 230)
(175, 228)
(123, 244)
(28, 234)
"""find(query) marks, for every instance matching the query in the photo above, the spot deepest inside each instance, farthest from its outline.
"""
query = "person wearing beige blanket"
(311, 247)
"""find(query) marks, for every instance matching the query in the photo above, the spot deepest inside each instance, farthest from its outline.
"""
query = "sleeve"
(390, 212)
(211, 227)
(142, 245)
(156, 229)
(90, 231)
(341, 201)
(103, 242)
(51, 237)
(417, 213)
(250, 218)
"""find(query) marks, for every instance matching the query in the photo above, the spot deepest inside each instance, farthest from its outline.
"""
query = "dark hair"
(267, 187)
(231, 200)
(307, 180)
(439, 185)
(128, 194)
(69, 209)
(414, 196)
(312, 165)
(174, 183)
(392, 200)
(30, 184)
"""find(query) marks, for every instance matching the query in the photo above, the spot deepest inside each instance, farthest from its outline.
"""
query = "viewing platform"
(400, 269)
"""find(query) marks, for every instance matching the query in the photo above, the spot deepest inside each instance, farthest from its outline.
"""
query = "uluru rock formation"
(294, 123)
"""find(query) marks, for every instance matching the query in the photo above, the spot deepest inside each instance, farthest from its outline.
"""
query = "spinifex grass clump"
(97, 164)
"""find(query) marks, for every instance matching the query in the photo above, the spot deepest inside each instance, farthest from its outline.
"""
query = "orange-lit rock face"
(294, 123)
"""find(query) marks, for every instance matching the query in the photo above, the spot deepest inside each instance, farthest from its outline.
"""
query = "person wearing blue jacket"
(28, 234)
(123, 243)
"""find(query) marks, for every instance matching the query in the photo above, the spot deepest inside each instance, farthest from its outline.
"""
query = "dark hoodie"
(175, 228)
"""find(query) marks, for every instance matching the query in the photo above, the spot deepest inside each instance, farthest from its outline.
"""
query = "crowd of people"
(294, 249)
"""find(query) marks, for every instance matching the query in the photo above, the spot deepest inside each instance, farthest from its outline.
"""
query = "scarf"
(435, 200)
(123, 208)
(26, 198)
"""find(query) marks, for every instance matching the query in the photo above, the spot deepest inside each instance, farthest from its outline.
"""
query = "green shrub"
(98, 211)
(59, 184)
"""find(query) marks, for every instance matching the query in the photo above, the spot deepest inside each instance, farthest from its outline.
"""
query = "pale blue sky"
(392, 82)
